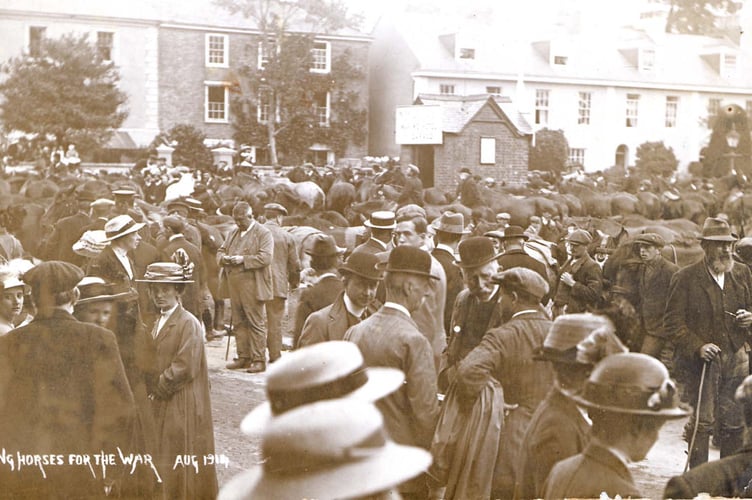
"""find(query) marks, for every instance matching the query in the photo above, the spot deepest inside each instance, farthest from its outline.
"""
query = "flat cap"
(580, 236)
(522, 279)
(54, 276)
(275, 207)
(410, 211)
(102, 202)
(651, 239)
(175, 224)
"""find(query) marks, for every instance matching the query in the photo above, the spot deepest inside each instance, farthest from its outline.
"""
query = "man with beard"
(708, 315)
(654, 279)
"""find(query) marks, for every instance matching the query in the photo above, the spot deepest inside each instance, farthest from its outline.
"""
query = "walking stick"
(229, 334)
(697, 416)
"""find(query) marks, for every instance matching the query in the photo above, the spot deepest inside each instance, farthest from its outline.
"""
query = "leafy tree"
(718, 155)
(67, 92)
(654, 158)
(189, 146)
(697, 17)
(551, 151)
(285, 92)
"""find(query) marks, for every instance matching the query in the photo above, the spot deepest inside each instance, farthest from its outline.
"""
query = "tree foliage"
(67, 92)
(718, 155)
(285, 89)
(698, 17)
(188, 142)
(551, 151)
(654, 158)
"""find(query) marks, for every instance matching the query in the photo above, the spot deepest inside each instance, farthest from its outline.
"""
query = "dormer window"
(560, 60)
(467, 53)
(647, 59)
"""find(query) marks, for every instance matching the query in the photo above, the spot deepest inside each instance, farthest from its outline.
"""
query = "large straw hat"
(325, 370)
(165, 272)
(325, 450)
(121, 225)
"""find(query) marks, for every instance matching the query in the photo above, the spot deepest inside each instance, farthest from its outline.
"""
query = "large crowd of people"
(438, 357)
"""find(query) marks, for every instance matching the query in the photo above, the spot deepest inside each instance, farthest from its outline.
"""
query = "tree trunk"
(270, 127)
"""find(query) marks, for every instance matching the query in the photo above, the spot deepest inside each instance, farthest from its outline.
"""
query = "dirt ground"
(235, 393)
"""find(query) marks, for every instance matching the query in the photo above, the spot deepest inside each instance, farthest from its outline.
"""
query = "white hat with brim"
(393, 465)
(381, 382)
(121, 225)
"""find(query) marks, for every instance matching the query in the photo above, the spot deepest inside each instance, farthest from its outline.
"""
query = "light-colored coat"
(257, 249)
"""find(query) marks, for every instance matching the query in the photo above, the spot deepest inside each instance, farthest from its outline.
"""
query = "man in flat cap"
(285, 276)
(655, 274)
(580, 284)
(390, 338)
(245, 259)
(63, 391)
(506, 354)
(708, 318)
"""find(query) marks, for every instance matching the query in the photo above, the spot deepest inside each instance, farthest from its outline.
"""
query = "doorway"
(424, 161)
(622, 151)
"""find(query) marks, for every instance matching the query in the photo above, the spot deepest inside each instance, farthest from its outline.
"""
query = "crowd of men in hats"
(436, 359)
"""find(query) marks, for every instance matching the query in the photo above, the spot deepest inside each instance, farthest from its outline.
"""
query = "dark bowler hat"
(363, 264)
(650, 239)
(514, 232)
(324, 246)
(465, 170)
(275, 207)
(176, 224)
(325, 370)
(567, 331)
(631, 383)
(580, 237)
(409, 260)
(95, 289)
(715, 229)
(55, 276)
(121, 225)
(450, 222)
(522, 279)
(166, 272)
(329, 449)
(85, 194)
(476, 251)
(382, 219)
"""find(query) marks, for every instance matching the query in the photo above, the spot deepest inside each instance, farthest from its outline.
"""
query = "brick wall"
(183, 73)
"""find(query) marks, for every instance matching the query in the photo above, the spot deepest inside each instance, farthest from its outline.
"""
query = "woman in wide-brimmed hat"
(180, 398)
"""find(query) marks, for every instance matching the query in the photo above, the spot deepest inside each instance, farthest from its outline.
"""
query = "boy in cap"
(506, 354)
(629, 397)
(580, 284)
(80, 403)
(390, 338)
(354, 304)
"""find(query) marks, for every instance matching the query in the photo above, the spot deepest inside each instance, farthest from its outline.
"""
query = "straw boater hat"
(383, 219)
(631, 383)
(325, 370)
(450, 222)
(95, 289)
(329, 449)
(121, 225)
(165, 272)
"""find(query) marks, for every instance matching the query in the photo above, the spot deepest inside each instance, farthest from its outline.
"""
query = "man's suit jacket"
(556, 431)
(191, 299)
(653, 292)
(331, 322)
(695, 312)
(454, 283)
(728, 477)
(373, 246)
(586, 475)
(285, 264)
(430, 315)
(391, 338)
(585, 294)
(63, 390)
(257, 249)
(311, 299)
(211, 240)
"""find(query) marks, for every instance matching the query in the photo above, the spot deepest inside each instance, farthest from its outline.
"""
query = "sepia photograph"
(345, 249)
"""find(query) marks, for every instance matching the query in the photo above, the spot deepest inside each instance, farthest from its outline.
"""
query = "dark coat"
(211, 240)
(63, 390)
(285, 264)
(556, 431)
(182, 408)
(469, 193)
(728, 477)
(454, 282)
(331, 322)
(519, 258)
(373, 246)
(586, 475)
(695, 312)
(67, 231)
(586, 294)
(191, 298)
(652, 294)
(311, 299)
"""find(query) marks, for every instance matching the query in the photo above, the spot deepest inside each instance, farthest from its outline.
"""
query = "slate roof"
(458, 111)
